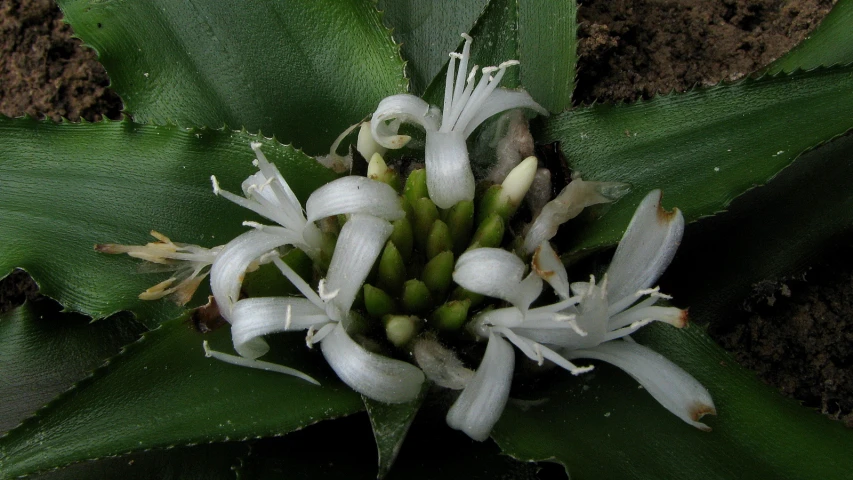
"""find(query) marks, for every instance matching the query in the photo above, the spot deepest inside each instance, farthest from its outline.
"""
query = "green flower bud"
(438, 274)
(401, 329)
(403, 237)
(492, 203)
(392, 270)
(377, 302)
(460, 293)
(415, 297)
(460, 221)
(425, 215)
(416, 186)
(438, 239)
(490, 233)
(451, 316)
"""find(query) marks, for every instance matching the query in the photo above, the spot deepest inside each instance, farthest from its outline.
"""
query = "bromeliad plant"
(426, 240)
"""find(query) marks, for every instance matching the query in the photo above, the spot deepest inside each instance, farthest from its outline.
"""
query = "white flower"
(581, 326)
(467, 104)
(326, 316)
(189, 262)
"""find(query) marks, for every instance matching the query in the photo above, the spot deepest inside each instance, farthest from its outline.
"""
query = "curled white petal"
(397, 109)
(441, 365)
(480, 405)
(501, 100)
(547, 264)
(449, 176)
(354, 194)
(252, 318)
(644, 252)
(576, 196)
(370, 374)
(366, 145)
(359, 244)
(229, 268)
(497, 273)
(668, 383)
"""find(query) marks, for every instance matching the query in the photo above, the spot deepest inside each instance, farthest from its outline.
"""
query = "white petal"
(571, 201)
(449, 176)
(227, 271)
(441, 365)
(354, 194)
(482, 402)
(370, 374)
(668, 383)
(547, 264)
(401, 108)
(359, 244)
(501, 100)
(497, 273)
(252, 318)
(644, 252)
(258, 364)
(638, 313)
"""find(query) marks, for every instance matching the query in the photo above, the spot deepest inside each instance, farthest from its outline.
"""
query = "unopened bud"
(460, 293)
(392, 270)
(460, 222)
(416, 186)
(379, 171)
(490, 233)
(415, 297)
(425, 213)
(403, 237)
(401, 329)
(451, 316)
(438, 273)
(377, 302)
(438, 239)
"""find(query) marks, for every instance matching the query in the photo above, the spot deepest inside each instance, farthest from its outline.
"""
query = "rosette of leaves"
(201, 79)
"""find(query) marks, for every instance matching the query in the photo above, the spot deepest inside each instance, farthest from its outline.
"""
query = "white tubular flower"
(325, 314)
(467, 104)
(188, 262)
(577, 195)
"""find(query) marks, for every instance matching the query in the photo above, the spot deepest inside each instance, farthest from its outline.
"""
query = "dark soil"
(46, 73)
(629, 49)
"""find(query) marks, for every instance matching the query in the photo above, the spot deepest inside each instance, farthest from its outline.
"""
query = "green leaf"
(43, 351)
(201, 462)
(303, 71)
(63, 191)
(831, 43)
(162, 391)
(538, 33)
(602, 426)
(428, 31)
(702, 148)
(766, 233)
(390, 424)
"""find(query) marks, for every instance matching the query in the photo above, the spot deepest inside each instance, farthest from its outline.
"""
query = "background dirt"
(796, 335)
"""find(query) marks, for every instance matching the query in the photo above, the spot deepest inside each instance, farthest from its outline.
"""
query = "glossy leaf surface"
(64, 190)
(43, 351)
(163, 391)
(302, 71)
(702, 148)
(390, 424)
(602, 426)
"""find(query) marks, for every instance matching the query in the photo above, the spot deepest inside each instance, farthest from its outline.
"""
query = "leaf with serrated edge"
(302, 71)
(66, 187)
(43, 351)
(831, 43)
(756, 434)
(163, 391)
(703, 148)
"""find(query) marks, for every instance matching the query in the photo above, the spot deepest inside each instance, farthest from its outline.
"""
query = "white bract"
(467, 104)
(580, 326)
